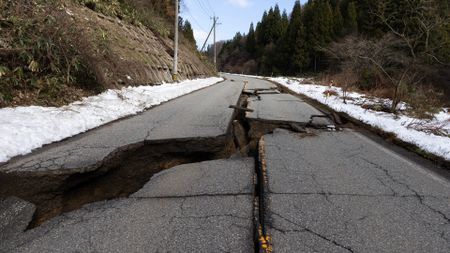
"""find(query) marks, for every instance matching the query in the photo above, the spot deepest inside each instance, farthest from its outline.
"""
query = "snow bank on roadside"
(23, 129)
(434, 144)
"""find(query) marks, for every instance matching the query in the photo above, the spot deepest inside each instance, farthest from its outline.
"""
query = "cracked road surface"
(189, 208)
(342, 192)
(324, 191)
(280, 108)
(201, 114)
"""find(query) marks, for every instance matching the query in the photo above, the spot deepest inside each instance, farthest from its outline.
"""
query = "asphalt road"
(252, 84)
(280, 108)
(200, 207)
(325, 192)
(202, 114)
(342, 192)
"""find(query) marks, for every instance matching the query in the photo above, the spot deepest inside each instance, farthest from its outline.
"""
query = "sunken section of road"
(199, 207)
(284, 108)
(341, 192)
(117, 159)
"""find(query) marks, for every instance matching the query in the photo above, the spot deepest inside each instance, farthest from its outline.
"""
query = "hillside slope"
(54, 52)
(135, 54)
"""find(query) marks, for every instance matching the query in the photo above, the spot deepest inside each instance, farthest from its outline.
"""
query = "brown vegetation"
(53, 52)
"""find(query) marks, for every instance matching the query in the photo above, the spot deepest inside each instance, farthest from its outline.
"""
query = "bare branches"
(419, 22)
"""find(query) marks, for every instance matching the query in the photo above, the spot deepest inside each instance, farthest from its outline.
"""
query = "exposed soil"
(113, 53)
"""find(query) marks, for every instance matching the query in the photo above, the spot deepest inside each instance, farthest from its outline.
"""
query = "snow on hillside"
(23, 129)
(411, 130)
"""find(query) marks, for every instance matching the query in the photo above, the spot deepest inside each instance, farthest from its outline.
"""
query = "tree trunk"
(315, 64)
(395, 99)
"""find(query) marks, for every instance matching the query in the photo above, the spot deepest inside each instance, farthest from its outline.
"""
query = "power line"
(210, 6)
(205, 9)
(194, 19)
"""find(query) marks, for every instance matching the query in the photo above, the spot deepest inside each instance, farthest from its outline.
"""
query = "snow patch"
(401, 125)
(23, 129)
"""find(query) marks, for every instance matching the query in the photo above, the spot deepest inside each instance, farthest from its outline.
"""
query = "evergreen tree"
(318, 21)
(328, 21)
(277, 24)
(368, 23)
(188, 33)
(295, 38)
(261, 31)
(338, 20)
(282, 44)
(284, 23)
(273, 26)
(351, 19)
(251, 41)
(273, 32)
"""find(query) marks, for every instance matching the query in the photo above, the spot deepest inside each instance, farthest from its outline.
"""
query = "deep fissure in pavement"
(249, 144)
(129, 168)
(260, 200)
(248, 147)
(122, 173)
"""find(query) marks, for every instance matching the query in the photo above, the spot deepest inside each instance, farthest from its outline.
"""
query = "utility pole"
(175, 42)
(213, 28)
(215, 46)
(207, 38)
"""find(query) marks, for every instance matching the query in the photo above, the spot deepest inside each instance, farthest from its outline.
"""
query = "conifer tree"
(368, 23)
(351, 21)
(251, 41)
(261, 31)
(318, 21)
(188, 33)
(295, 37)
(338, 20)
(284, 23)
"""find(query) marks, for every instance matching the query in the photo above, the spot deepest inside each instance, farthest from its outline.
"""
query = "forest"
(396, 43)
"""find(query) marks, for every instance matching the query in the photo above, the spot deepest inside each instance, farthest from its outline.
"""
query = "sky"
(234, 15)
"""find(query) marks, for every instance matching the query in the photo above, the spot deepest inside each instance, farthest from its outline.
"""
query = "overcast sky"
(235, 15)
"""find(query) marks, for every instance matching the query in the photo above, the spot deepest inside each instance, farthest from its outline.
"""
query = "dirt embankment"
(132, 55)
(55, 52)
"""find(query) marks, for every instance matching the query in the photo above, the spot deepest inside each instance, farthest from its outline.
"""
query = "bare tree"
(413, 30)
(382, 56)
(421, 21)
(346, 53)
(402, 55)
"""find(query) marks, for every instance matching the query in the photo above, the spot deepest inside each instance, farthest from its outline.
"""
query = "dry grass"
(382, 92)
(424, 102)
(330, 93)
(88, 52)
(35, 97)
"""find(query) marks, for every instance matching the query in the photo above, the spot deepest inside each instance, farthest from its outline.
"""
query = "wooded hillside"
(381, 41)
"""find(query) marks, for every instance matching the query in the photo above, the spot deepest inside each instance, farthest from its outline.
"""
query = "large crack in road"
(120, 174)
(50, 180)
(307, 187)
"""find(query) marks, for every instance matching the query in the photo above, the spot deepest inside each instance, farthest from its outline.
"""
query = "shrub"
(42, 56)
(424, 101)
